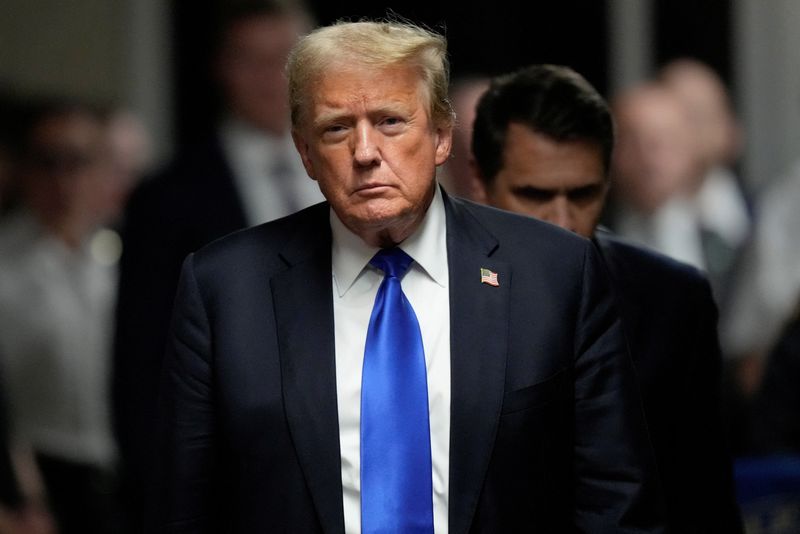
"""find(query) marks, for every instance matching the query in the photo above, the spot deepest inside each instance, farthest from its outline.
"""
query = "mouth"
(372, 189)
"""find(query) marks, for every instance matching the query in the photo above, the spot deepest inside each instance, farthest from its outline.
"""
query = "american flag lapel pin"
(489, 277)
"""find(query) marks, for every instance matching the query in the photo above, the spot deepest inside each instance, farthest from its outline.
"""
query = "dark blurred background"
(153, 55)
(483, 38)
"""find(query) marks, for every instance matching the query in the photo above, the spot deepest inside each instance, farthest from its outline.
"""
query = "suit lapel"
(478, 345)
(304, 317)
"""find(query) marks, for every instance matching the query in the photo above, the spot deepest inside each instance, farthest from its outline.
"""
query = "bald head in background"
(656, 155)
(456, 176)
(706, 99)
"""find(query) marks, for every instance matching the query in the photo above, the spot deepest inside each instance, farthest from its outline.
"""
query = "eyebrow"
(335, 114)
(556, 190)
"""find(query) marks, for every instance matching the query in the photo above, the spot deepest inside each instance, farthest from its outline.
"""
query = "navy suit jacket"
(670, 320)
(547, 433)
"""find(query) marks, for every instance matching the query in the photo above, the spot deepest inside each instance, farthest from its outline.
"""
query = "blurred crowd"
(92, 238)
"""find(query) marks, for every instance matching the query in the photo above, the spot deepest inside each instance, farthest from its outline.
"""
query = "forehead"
(533, 159)
(654, 110)
(75, 129)
(350, 88)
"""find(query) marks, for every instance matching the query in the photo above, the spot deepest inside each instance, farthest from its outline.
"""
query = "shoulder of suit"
(514, 227)
(618, 251)
(268, 239)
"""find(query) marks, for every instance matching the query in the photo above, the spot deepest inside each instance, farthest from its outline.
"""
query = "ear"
(444, 143)
(478, 184)
(303, 149)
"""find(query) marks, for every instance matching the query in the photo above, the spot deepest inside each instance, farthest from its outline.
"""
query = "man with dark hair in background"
(542, 144)
(246, 173)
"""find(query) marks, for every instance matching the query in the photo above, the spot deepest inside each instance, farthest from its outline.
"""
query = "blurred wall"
(766, 46)
(630, 47)
(112, 51)
(121, 51)
(60, 47)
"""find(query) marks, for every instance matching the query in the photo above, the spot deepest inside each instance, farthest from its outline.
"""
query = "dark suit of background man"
(535, 424)
(542, 143)
(247, 173)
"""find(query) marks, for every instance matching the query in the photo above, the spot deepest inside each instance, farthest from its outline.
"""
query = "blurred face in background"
(706, 101)
(130, 151)
(562, 182)
(65, 175)
(459, 179)
(251, 69)
(656, 155)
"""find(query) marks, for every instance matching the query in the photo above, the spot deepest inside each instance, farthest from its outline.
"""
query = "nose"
(366, 152)
(561, 213)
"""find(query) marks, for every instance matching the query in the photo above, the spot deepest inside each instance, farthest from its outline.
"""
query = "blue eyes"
(388, 125)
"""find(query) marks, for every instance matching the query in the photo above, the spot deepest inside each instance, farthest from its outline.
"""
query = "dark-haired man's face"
(560, 182)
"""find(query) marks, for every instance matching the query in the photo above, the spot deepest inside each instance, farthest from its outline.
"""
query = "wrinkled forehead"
(344, 82)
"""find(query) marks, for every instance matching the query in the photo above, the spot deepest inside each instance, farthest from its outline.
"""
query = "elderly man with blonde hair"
(393, 359)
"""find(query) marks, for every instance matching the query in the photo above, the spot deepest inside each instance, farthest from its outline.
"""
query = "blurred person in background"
(57, 287)
(247, 173)
(766, 286)
(776, 425)
(655, 165)
(456, 175)
(542, 144)
(21, 512)
(720, 209)
(131, 154)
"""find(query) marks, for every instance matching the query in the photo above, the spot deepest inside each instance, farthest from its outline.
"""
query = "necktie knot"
(392, 261)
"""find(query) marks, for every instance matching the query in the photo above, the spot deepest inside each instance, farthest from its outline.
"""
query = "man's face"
(68, 172)
(656, 155)
(562, 182)
(251, 69)
(366, 137)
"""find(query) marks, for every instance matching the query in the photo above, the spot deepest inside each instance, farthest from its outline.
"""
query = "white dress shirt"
(671, 230)
(267, 171)
(355, 285)
(675, 228)
(55, 340)
(767, 288)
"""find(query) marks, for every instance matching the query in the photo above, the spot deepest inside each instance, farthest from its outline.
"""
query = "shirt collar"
(252, 143)
(427, 246)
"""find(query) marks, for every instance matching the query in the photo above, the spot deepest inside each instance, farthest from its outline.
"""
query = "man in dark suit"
(246, 173)
(532, 422)
(542, 143)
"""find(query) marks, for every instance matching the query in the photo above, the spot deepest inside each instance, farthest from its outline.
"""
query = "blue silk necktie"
(396, 482)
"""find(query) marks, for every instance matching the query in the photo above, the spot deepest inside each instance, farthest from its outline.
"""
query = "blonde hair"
(379, 44)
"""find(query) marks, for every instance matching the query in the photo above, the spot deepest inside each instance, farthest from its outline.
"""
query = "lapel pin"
(489, 277)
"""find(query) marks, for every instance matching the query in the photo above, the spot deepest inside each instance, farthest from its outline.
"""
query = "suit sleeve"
(617, 487)
(181, 497)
